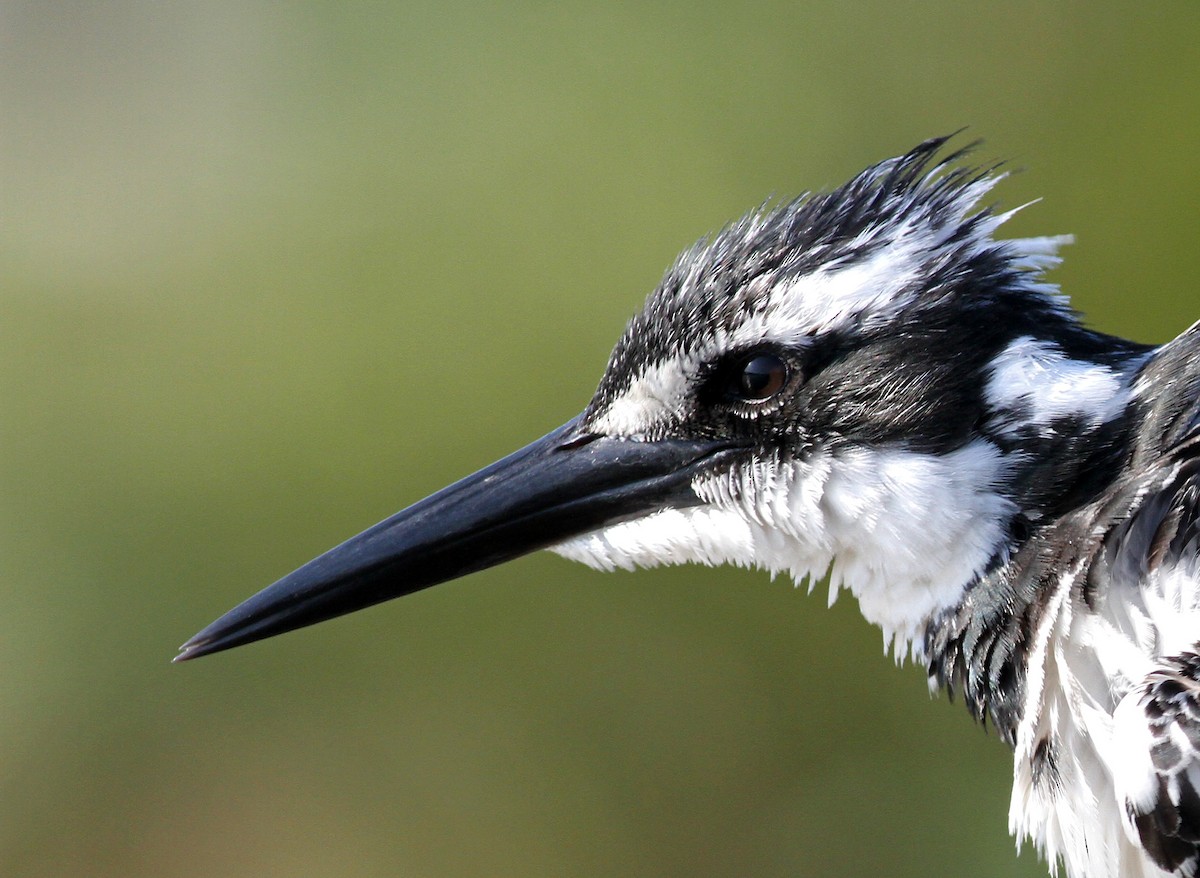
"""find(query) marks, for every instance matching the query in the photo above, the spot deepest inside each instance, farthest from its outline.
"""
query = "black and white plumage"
(868, 384)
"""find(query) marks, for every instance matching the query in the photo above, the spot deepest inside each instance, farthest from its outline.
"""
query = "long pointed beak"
(566, 483)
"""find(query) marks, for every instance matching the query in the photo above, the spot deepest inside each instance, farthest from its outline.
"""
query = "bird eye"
(762, 376)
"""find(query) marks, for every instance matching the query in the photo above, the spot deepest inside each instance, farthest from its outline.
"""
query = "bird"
(869, 386)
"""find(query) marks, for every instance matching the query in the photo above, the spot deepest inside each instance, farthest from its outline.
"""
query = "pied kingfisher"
(868, 385)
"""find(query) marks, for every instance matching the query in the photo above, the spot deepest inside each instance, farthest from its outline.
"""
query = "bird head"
(865, 383)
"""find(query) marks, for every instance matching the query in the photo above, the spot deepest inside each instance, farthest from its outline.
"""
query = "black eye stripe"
(749, 381)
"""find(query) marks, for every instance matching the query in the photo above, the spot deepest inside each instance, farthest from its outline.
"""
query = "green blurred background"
(269, 272)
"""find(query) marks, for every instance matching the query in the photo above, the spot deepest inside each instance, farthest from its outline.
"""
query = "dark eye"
(761, 377)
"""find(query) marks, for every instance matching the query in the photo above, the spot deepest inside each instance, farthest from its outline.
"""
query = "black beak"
(566, 483)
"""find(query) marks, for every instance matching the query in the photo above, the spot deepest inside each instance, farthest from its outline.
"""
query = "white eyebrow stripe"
(655, 397)
(846, 295)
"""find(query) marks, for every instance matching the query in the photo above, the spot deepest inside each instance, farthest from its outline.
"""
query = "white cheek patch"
(1034, 383)
(700, 535)
(905, 532)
